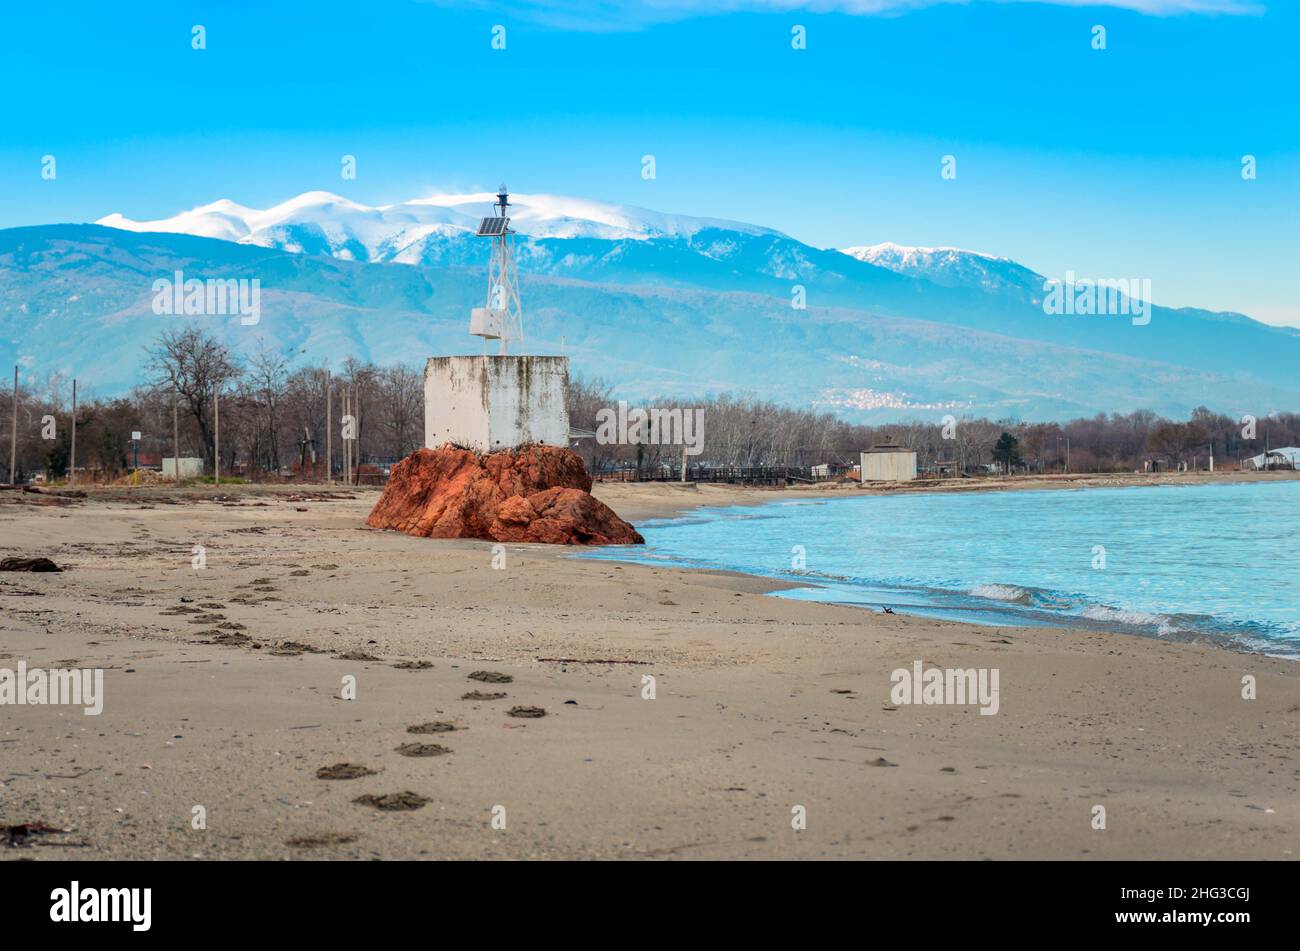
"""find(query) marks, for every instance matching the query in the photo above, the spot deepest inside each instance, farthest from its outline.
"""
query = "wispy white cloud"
(613, 15)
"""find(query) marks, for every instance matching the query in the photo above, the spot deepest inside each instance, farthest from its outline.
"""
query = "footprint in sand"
(491, 677)
(413, 665)
(227, 637)
(296, 647)
(433, 726)
(344, 771)
(320, 840)
(394, 802)
(476, 695)
(527, 713)
(422, 749)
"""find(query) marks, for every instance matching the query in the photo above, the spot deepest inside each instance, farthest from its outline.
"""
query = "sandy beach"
(224, 690)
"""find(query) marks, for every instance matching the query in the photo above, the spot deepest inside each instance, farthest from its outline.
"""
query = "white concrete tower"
(497, 402)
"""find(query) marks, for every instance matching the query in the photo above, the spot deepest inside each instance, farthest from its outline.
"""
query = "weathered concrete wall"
(489, 403)
(888, 466)
(191, 467)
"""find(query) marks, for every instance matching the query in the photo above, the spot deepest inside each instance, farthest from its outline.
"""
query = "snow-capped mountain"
(77, 299)
(666, 304)
(323, 223)
(557, 233)
(904, 259)
(951, 267)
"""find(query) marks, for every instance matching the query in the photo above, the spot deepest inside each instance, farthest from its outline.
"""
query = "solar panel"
(491, 227)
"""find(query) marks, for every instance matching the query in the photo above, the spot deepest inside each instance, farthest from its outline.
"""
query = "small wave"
(1002, 592)
(818, 575)
(1108, 615)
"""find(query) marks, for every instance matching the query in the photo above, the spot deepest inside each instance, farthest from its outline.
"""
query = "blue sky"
(1115, 163)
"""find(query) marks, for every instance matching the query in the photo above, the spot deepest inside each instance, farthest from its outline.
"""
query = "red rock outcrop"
(530, 494)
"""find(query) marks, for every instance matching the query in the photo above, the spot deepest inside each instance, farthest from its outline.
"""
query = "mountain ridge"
(963, 331)
(380, 228)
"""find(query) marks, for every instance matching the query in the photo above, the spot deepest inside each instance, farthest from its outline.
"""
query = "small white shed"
(886, 462)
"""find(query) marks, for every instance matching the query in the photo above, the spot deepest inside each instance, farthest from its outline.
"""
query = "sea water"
(1217, 563)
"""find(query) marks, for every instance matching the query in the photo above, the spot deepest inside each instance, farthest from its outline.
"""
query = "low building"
(887, 462)
(1287, 457)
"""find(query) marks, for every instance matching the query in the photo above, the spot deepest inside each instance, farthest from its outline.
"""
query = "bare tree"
(400, 390)
(358, 380)
(268, 373)
(193, 364)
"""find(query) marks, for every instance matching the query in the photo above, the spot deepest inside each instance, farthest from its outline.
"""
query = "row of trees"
(750, 432)
(273, 418)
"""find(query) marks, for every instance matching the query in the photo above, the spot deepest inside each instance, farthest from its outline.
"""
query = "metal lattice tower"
(503, 317)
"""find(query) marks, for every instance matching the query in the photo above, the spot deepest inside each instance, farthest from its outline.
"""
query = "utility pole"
(347, 443)
(329, 429)
(72, 463)
(216, 437)
(176, 437)
(13, 435)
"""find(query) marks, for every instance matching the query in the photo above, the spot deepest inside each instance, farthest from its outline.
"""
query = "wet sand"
(761, 705)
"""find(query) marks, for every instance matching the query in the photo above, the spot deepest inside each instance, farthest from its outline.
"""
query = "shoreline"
(649, 500)
(222, 688)
(660, 504)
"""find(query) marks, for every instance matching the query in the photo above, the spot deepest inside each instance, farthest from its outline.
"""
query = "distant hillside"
(687, 311)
